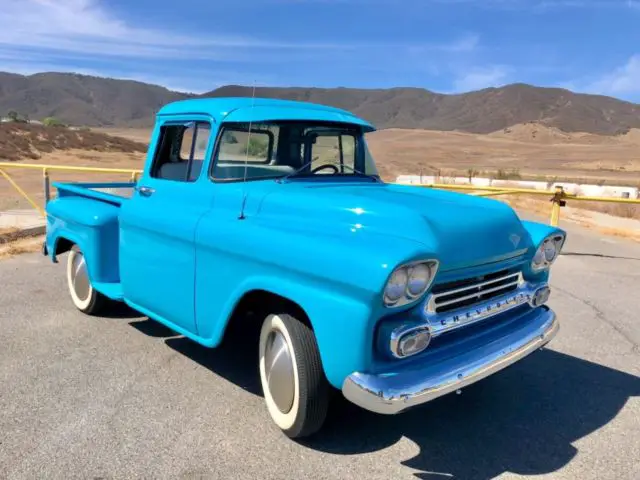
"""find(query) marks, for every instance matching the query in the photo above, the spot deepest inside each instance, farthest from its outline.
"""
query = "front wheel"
(295, 389)
(84, 296)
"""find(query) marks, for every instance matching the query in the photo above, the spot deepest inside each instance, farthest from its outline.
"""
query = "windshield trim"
(353, 128)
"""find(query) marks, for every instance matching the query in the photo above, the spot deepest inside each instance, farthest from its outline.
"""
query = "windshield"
(292, 150)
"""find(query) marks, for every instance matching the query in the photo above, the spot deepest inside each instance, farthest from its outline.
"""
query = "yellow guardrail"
(46, 169)
(558, 197)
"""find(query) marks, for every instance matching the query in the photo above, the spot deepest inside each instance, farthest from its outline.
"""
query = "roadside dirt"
(11, 248)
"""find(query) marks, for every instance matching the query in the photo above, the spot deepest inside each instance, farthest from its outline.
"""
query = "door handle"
(145, 191)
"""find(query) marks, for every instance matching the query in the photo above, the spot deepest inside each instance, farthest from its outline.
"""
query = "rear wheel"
(84, 296)
(295, 389)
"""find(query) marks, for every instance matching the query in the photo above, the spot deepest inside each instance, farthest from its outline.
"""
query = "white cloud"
(465, 44)
(87, 27)
(478, 78)
(622, 81)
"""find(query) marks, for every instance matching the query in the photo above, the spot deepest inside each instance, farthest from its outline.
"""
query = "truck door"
(158, 224)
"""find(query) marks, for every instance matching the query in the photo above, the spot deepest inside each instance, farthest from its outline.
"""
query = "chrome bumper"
(393, 392)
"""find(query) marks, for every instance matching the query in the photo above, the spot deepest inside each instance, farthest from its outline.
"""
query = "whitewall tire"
(84, 296)
(295, 389)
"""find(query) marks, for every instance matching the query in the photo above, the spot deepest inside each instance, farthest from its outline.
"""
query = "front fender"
(341, 323)
(337, 279)
(538, 232)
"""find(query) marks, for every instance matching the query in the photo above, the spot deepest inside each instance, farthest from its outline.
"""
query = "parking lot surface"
(123, 397)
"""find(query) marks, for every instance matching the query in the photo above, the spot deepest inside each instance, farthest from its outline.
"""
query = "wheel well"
(255, 305)
(63, 245)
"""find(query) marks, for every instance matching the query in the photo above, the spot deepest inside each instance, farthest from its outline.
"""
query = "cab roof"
(245, 109)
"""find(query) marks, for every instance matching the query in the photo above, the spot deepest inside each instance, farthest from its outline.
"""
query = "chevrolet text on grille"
(500, 299)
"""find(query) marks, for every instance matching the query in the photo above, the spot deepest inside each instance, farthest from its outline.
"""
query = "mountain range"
(96, 101)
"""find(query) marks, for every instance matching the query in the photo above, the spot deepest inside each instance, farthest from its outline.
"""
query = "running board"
(110, 290)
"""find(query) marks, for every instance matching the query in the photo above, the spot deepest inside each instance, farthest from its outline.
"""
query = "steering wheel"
(326, 165)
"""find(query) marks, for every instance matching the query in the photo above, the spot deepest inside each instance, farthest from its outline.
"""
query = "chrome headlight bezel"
(408, 294)
(402, 335)
(540, 260)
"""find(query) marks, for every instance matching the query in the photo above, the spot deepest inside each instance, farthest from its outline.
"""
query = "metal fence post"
(557, 202)
(47, 185)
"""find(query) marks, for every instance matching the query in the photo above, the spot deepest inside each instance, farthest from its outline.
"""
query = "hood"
(460, 230)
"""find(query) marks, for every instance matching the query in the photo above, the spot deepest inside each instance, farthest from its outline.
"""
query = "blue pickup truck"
(271, 215)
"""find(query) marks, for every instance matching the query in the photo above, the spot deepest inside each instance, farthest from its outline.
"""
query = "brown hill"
(483, 111)
(24, 141)
(94, 101)
(82, 99)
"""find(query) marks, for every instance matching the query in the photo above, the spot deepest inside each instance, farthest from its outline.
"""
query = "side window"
(181, 150)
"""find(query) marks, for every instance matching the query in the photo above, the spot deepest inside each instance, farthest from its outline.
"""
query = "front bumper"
(454, 366)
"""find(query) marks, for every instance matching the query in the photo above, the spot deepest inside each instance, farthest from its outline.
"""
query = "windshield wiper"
(375, 178)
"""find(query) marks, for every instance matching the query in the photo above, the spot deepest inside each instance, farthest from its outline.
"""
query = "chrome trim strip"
(446, 293)
(430, 306)
(455, 319)
(473, 295)
(393, 392)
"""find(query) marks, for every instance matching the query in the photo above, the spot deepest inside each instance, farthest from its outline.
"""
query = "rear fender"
(91, 225)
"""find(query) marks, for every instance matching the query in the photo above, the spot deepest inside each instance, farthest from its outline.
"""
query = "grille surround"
(465, 293)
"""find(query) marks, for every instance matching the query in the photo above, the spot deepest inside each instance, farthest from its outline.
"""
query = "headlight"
(396, 286)
(547, 252)
(409, 282)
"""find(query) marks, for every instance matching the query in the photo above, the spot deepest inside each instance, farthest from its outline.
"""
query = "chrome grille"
(468, 292)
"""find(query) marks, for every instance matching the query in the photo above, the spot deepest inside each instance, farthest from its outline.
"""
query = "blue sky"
(447, 46)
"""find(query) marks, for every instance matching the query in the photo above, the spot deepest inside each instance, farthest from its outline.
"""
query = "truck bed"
(114, 193)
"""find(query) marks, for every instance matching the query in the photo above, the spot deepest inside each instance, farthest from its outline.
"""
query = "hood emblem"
(515, 239)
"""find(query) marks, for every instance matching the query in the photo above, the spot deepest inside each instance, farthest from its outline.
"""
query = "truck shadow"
(596, 255)
(522, 420)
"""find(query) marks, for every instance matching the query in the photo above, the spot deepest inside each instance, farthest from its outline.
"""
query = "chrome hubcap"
(279, 371)
(79, 277)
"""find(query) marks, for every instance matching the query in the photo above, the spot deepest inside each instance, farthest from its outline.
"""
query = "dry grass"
(12, 248)
(545, 156)
(615, 232)
(615, 209)
(20, 141)
(141, 135)
(7, 233)
(542, 207)
(537, 205)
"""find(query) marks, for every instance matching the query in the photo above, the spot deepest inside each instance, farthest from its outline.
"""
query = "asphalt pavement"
(123, 397)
